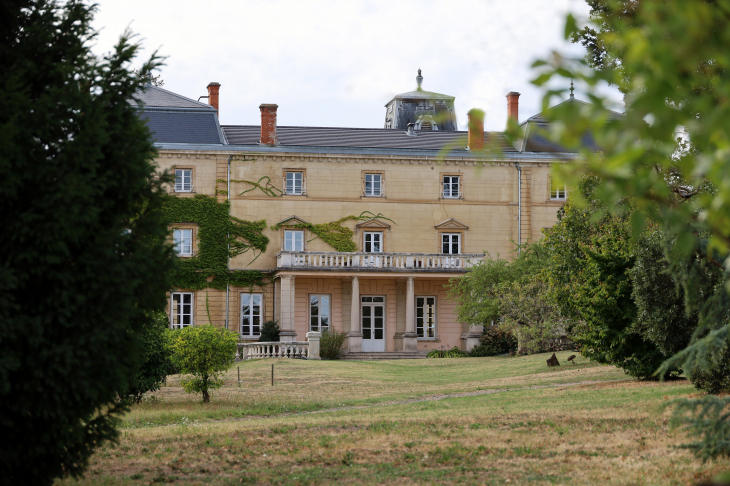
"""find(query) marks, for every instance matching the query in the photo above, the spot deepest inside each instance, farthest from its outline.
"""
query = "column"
(410, 338)
(354, 337)
(287, 309)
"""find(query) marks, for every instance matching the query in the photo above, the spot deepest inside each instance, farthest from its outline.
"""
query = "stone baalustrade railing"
(281, 349)
(384, 261)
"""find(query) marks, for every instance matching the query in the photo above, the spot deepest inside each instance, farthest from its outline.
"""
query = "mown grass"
(389, 423)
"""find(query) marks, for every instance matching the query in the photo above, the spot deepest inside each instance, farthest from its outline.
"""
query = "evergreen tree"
(83, 258)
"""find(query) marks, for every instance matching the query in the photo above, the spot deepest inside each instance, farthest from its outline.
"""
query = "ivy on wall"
(216, 230)
(334, 234)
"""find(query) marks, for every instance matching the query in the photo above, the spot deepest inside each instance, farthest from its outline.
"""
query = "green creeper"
(203, 353)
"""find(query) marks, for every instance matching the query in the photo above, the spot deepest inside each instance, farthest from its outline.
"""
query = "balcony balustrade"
(376, 261)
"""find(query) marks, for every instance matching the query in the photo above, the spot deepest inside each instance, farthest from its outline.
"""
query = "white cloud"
(336, 63)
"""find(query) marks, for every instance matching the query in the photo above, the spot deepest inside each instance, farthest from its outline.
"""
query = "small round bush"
(330, 343)
(270, 332)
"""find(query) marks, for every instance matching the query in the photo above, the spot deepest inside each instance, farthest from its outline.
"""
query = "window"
(183, 180)
(182, 239)
(294, 183)
(251, 315)
(558, 192)
(426, 317)
(319, 312)
(373, 184)
(451, 187)
(373, 242)
(293, 240)
(181, 310)
(451, 243)
(426, 125)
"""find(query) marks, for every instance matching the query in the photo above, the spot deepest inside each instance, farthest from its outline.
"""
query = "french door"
(372, 243)
(372, 315)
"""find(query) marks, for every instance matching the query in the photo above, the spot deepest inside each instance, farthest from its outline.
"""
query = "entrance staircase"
(385, 355)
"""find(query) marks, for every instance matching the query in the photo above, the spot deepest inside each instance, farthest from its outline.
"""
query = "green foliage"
(270, 332)
(217, 229)
(83, 262)
(478, 294)
(334, 234)
(331, 343)
(447, 353)
(493, 342)
(714, 378)
(204, 353)
(708, 419)
(589, 279)
(268, 189)
(157, 357)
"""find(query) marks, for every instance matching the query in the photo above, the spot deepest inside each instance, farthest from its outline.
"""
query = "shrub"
(204, 353)
(270, 332)
(494, 341)
(157, 359)
(330, 343)
(715, 378)
(447, 353)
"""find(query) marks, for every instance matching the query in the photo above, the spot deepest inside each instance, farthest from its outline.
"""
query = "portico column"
(286, 325)
(354, 338)
(410, 338)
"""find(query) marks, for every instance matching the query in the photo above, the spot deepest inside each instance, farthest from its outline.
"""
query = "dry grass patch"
(603, 433)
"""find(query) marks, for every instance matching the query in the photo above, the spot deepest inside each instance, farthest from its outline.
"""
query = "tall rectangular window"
(319, 312)
(373, 242)
(293, 240)
(183, 180)
(373, 184)
(426, 317)
(251, 314)
(182, 239)
(181, 310)
(451, 243)
(558, 192)
(451, 187)
(294, 183)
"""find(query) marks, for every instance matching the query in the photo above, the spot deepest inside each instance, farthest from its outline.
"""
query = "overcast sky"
(338, 62)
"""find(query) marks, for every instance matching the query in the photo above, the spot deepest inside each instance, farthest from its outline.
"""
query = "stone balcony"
(396, 262)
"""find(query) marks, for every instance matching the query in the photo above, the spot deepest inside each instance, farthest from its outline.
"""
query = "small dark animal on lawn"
(553, 361)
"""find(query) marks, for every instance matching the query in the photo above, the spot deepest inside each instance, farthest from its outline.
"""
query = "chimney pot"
(476, 129)
(513, 106)
(213, 95)
(268, 125)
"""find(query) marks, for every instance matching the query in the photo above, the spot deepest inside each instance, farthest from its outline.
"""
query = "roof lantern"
(426, 110)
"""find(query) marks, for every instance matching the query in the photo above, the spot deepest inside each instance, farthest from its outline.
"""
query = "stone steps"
(385, 355)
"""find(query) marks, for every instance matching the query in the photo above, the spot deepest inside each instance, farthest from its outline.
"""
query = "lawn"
(505, 420)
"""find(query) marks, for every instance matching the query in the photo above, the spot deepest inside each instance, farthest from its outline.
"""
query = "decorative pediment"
(373, 223)
(451, 223)
(291, 221)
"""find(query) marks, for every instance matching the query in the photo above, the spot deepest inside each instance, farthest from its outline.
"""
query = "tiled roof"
(157, 97)
(181, 126)
(377, 138)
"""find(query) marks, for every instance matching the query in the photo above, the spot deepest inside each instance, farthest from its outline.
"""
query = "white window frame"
(178, 312)
(182, 239)
(292, 238)
(183, 180)
(451, 237)
(449, 194)
(246, 300)
(294, 189)
(370, 235)
(315, 319)
(558, 193)
(424, 331)
(372, 192)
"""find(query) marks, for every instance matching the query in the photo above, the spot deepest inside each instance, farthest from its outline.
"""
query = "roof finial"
(419, 79)
(571, 90)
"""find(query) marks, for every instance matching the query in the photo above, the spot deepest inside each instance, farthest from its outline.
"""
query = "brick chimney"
(213, 95)
(268, 125)
(513, 106)
(476, 129)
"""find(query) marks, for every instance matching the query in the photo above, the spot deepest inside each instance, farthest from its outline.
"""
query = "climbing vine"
(217, 229)
(333, 233)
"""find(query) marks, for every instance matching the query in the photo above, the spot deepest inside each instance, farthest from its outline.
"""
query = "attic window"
(426, 125)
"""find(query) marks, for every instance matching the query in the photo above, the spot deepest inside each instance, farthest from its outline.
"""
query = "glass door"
(372, 314)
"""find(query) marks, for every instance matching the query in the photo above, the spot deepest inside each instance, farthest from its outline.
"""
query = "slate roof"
(152, 96)
(375, 138)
